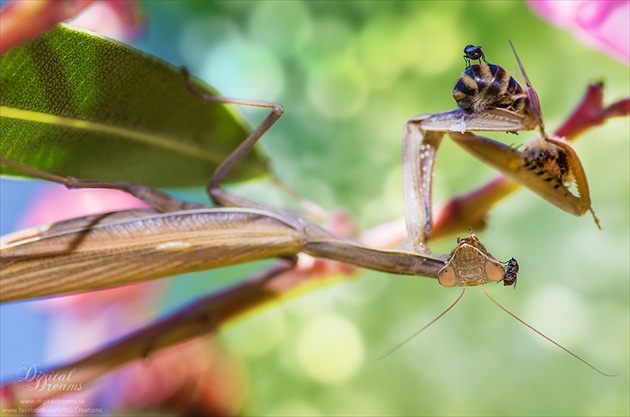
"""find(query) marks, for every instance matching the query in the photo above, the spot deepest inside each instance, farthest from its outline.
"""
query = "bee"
(511, 272)
(484, 86)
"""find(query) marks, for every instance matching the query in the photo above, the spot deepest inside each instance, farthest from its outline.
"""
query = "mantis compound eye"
(447, 276)
(494, 270)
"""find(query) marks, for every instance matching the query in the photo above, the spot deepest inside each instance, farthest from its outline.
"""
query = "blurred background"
(349, 75)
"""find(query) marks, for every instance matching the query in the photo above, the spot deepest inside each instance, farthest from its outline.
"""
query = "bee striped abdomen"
(483, 86)
(549, 162)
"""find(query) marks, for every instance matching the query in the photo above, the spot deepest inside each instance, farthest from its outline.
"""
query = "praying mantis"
(168, 250)
(247, 231)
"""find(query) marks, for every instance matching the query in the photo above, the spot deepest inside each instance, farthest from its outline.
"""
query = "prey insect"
(175, 237)
(511, 272)
(485, 86)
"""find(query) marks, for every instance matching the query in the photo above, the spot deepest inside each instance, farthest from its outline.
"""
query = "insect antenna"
(532, 95)
(416, 333)
(520, 65)
(543, 335)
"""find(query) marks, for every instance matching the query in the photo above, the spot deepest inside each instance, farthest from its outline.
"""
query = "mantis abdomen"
(106, 250)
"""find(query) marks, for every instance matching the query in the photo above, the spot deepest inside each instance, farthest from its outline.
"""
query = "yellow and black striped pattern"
(483, 86)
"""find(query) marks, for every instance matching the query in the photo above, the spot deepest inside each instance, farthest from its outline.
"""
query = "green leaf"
(73, 103)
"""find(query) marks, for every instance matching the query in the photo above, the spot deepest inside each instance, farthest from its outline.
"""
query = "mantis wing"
(97, 252)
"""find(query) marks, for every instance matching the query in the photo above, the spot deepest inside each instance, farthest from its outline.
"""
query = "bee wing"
(114, 249)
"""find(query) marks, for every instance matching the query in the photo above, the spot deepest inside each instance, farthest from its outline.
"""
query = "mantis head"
(470, 264)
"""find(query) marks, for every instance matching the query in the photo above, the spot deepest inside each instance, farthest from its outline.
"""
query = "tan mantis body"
(79, 254)
(118, 248)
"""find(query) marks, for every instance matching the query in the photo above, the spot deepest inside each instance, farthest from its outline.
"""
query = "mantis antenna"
(543, 335)
(426, 326)
(523, 322)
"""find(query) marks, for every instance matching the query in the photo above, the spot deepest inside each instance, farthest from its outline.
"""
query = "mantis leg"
(218, 194)
(471, 208)
(160, 201)
(421, 138)
(419, 149)
(549, 167)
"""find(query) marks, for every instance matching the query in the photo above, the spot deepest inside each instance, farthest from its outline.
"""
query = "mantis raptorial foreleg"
(549, 167)
(490, 100)
(469, 209)
(421, 138)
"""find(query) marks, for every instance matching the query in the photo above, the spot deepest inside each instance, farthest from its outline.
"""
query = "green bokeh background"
(349, 75)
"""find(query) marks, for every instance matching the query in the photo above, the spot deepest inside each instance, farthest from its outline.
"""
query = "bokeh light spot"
(258, 337)
(338, 93)
(285, 26)
(244, 69)
(557, 301)
(330, 349)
